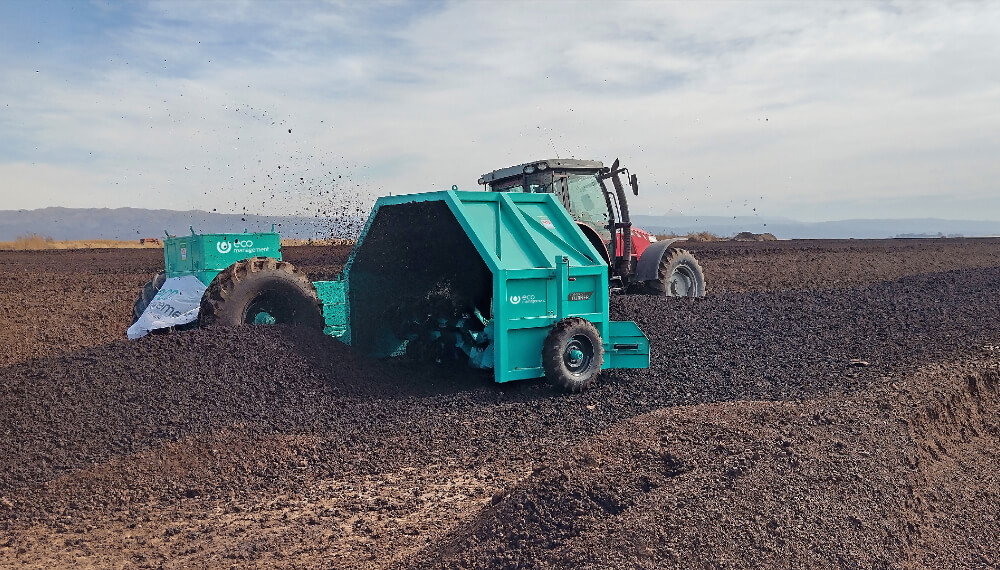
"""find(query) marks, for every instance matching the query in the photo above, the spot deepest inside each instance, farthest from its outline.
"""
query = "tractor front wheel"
(679, 275)
(573, 354)
(261, 290)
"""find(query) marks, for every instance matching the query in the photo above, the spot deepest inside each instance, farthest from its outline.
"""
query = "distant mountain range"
(135, 223)
(784, 228)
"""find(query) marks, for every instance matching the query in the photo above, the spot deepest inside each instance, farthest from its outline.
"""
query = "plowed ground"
(827, 404)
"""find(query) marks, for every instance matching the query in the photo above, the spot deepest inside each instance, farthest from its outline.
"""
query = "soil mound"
(781, 345)
(55, 301)
(72, 412)
(320, 262)
(272, 446)
(750, 236)
(902, 474)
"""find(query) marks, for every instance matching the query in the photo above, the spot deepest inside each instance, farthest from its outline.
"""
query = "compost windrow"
(125, 433)
(93, 405)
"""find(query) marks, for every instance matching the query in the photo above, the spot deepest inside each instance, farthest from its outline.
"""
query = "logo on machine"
(525, 300)
(580, 296)
(514, 299)
(240, 246)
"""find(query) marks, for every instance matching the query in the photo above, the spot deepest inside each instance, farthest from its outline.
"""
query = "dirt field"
(828, 404)
(37, 242)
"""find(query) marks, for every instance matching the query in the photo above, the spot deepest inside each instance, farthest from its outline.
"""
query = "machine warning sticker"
(581, 296)
(184, 253)
(547, 223)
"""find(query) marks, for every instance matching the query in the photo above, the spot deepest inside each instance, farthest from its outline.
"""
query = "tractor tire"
(679, 275)
(261, 290)
(573, 354)
(149, 290)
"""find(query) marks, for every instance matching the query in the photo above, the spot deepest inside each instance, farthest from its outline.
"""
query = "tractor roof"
(553, 163)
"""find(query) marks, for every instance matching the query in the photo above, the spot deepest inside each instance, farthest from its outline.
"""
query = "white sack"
(175, 304)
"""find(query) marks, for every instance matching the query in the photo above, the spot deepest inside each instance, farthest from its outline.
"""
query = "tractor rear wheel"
(261, 290)
(679, 275)
(573, 354)
(149, 290)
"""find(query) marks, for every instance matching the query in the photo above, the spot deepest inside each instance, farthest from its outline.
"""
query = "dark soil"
(792, 417)
(55, 301)
(821, 264)
(901, 475)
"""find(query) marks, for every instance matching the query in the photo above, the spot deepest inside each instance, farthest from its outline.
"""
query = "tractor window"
(538, 184)
(586, 200)
(507, 186)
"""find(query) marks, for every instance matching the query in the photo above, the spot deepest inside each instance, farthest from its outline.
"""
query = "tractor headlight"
(529, 169)
(542, 165)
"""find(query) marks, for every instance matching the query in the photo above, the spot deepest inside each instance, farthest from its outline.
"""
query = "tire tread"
(658, 286)
(552, 354)
(228, 282)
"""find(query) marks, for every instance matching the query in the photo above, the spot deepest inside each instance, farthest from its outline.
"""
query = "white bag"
(176, 303)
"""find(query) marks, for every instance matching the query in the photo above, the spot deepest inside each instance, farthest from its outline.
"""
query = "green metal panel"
(332, 295)
(627, 348)
(205, 255)
(543, 269)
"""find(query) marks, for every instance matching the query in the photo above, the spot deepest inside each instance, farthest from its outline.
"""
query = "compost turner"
(502, 281)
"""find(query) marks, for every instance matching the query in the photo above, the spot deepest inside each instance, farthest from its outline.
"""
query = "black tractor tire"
(261, 286)
(679, 275)
(149, 290)
(573, 354)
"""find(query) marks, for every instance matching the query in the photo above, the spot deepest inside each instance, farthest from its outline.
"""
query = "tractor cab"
(581, 186)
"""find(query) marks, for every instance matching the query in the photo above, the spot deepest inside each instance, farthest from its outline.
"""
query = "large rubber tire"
(679, 275)
(573, 354)
(149, 290)
(261, 290)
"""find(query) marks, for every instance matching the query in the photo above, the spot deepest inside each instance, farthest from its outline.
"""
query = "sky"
(807, 110)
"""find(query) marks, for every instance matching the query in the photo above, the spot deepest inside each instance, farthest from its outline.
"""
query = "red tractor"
(637, 261)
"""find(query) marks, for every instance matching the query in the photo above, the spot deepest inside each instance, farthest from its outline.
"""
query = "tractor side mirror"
(634, 183)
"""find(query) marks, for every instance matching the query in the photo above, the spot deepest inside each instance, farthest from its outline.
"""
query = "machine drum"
(261, 290)
(573, 354)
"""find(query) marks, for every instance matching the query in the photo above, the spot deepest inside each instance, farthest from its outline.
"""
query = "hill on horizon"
(134, 223)
(786, 228)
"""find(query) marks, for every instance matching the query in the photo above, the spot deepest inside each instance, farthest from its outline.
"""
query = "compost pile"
(829, 403)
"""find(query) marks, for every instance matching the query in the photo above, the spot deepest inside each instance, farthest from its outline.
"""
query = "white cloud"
(26, 185)
(809, 110)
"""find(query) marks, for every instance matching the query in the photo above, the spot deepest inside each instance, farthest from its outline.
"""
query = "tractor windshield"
(580, 193)
(586, 201)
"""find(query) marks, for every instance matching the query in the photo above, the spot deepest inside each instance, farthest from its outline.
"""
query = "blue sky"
(814, 111)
